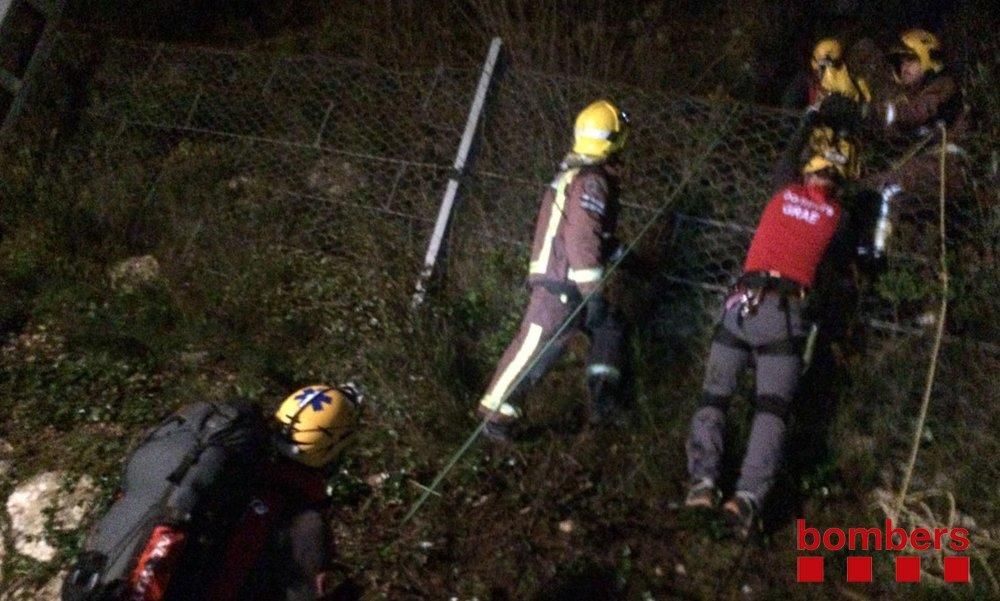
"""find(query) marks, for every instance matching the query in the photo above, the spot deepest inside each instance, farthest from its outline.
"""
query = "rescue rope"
(914, 508)
(939, 330)
(702, 160)
(921, 513)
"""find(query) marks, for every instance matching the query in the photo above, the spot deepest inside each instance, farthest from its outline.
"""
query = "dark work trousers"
(920, 180)
(772, 336)
(547, 310)
(295, 556)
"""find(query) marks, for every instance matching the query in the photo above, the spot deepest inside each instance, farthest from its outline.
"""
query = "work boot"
(605, 409)
(498, 428)
(703, 493)
(741, 514)
(498, 433)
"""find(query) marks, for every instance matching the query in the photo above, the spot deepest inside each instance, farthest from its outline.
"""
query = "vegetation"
(240, 306)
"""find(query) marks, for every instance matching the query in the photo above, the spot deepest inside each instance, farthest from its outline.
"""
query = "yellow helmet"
(921, 45)
(830, 151)
(828, 52)
(316, 423)
(837, 80)
(600, 130)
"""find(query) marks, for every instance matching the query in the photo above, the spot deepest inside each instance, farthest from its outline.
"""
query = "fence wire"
(325, 143)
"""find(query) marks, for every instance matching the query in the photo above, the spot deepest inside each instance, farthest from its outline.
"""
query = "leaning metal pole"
(458, 170)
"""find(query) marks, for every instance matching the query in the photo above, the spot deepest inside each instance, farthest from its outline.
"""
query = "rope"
(938, 334)
(432, 488)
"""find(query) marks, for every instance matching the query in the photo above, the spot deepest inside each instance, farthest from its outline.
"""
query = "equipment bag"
(186, 475)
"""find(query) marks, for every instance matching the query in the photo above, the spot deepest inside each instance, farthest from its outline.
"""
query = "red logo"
(810, 568)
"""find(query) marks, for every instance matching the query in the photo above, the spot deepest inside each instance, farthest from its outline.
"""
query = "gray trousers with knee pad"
(771, 335)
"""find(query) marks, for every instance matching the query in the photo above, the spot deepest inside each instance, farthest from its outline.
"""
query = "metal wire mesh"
(333, 142)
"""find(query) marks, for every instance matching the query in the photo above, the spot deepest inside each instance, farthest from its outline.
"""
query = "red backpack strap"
(156, 565)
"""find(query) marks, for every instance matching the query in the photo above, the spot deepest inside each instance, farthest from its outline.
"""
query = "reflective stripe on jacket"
(575, 228)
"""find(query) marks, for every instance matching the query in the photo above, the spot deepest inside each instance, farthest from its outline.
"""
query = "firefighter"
(573, 242)
(828, 74)
(762, 320)
(283, 551)
(927, 97)
(217, 505)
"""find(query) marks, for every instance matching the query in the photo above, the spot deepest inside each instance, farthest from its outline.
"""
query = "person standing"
(573, 243)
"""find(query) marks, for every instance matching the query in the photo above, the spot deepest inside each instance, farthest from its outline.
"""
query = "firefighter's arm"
(586, 206)
(919, 109)
(786, 169)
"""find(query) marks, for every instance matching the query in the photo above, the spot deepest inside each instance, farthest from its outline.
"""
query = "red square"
(907, 569)
(859, 569)
(809, 569)
(956, 569)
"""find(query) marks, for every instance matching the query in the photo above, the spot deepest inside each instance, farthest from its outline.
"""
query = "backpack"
(185, 476)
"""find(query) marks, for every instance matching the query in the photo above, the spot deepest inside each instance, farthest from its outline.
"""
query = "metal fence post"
(458, 170)
(15, 87)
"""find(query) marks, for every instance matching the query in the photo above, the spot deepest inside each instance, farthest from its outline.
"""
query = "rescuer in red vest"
(762, 320)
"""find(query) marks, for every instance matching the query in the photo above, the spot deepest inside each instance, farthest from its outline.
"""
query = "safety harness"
(749, 290)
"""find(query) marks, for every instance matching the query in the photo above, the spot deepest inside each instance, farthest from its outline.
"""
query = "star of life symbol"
(314, 398)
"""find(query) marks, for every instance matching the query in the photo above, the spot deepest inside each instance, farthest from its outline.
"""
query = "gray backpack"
(186, 472)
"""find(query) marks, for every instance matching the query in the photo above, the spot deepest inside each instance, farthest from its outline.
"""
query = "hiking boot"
(499, 433)
(703, 493)
(607, 415)
(741, 514)
(498, 428)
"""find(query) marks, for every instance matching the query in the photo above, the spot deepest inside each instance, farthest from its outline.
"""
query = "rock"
(134, 272)
(52, 589)
(566, 526)
(680, 570)
(50, 592)
(376, 480)
(240, 182)
(27, 505)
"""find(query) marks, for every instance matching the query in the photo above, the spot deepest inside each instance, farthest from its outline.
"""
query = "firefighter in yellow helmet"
(573, 244)
(762, 321)
(311, 429)
(838, 105)
(224, 501)
(926, 99)
(828, 74)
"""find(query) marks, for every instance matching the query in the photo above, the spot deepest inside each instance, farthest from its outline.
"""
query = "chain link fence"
(328, 147)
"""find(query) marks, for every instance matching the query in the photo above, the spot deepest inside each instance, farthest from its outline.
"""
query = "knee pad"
(715, 400)
(773, 404)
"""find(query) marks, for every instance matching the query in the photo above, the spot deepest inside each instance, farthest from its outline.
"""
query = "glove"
(841, 113)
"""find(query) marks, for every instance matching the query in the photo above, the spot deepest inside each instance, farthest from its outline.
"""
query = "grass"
(259, 293)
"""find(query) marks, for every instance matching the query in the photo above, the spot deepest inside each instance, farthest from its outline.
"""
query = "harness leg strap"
(773, 404)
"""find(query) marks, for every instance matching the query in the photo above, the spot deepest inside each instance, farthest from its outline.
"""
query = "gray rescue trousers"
(772, 335)
(547, 309)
